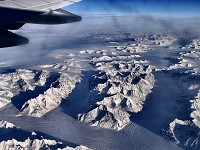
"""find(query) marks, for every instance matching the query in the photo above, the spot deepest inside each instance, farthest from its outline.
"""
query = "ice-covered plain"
(105, 83)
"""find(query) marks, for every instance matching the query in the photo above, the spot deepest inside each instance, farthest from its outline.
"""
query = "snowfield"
(21, 80)
(117, 89)
(45, 90)
(127, 89)
(51, 98)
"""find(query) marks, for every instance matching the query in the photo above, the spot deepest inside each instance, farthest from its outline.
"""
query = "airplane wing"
(16, 10)
(38, 5)
(15, 13)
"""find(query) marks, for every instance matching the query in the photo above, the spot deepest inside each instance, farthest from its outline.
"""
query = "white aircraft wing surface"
(38, 5)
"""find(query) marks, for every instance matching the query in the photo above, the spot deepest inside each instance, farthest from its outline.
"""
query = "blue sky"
(162, 7)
